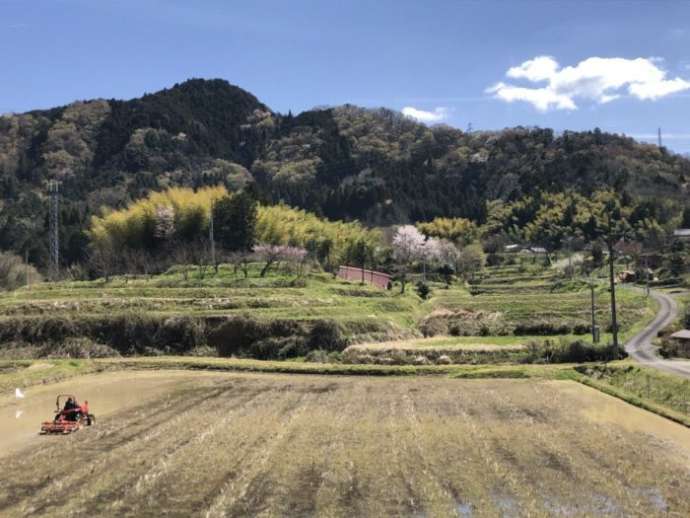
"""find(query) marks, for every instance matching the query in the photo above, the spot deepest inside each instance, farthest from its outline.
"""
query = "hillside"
(343, 162)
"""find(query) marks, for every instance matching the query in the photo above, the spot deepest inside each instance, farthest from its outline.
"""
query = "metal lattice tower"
(54, 228)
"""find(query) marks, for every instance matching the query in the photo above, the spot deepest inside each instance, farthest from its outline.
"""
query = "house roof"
(683, 334)
(682, 232)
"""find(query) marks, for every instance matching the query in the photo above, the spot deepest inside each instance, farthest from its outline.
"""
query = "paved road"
(640, 346)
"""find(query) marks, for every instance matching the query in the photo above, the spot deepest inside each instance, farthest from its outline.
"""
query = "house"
(682, 233)
(682, 336)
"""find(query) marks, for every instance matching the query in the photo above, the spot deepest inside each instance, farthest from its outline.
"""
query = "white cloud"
(600, 80)
(439, 114)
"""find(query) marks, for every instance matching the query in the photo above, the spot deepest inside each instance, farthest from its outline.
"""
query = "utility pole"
(659, 137)
(212, 239)
(54, 228)
(595, 335)
(612, 284)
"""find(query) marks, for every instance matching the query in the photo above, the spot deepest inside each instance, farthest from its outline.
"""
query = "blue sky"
(492, 64)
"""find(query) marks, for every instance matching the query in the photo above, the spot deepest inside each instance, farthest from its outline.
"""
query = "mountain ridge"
(342, 162)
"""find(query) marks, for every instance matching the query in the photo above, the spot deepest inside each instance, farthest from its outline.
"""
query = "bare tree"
(102, 259)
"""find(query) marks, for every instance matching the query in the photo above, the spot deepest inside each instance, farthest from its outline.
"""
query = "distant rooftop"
(684, 334)
(682, 232)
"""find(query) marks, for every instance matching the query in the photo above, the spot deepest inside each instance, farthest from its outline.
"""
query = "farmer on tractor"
(71, 409)
(71, 416)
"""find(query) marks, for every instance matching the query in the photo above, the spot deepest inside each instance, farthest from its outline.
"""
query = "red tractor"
(71, 416)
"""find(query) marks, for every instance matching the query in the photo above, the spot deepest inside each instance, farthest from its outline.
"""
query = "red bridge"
(378, 279)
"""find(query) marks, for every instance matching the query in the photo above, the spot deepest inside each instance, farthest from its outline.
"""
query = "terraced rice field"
(522, 297)
(273, 297)
(271, 445)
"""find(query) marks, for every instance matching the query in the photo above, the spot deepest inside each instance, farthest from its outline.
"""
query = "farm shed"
(682, 338)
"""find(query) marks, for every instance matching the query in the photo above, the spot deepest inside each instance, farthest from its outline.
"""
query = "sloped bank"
(132, 334)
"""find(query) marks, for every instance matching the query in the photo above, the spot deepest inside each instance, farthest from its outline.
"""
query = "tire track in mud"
(125, 484)
(55, 456)
(232, 492)
(185, 463)
(506, 495)
(311, 468)
(108, 457)
(618, 474)
(339, 493)
(435, 498)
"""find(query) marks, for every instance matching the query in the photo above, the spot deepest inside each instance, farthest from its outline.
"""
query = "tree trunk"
(264, 270)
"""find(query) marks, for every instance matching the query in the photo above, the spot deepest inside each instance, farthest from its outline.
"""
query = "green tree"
(358, 253)
(234, 221)
(685, 222)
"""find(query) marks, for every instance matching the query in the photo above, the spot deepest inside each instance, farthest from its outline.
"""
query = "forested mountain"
(344, 162)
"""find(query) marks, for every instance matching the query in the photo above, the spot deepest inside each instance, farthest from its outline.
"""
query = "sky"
(622, 66)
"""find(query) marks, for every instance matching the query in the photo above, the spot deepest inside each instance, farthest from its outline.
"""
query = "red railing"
(378, 279)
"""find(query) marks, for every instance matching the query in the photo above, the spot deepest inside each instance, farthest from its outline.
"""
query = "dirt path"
(640, 346)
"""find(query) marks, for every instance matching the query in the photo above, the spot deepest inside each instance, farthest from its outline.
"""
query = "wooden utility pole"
(595, 335)
(612, 284)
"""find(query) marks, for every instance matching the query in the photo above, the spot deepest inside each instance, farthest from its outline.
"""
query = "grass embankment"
(664, 394)
(25, 373)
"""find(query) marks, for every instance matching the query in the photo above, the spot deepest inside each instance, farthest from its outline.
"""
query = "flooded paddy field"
(211, 444)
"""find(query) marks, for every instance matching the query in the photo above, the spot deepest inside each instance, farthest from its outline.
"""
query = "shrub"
(576, 351)
(434, 326)
(236, 334)
(14, 272)
(581, 328)
(542, 328)
(326, 335)
(77, 348)
(180, 334)
(423, 290)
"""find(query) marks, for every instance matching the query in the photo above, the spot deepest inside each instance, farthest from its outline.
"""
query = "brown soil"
(208, 444)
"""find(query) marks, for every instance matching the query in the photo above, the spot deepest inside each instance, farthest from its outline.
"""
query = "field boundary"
(635, 401)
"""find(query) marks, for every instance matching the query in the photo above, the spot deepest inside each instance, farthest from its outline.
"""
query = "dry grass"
(239, 444)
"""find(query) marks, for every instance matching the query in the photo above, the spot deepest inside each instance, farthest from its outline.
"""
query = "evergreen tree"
(234, 220)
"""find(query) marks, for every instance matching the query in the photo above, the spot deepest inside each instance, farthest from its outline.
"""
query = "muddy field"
(236, 445)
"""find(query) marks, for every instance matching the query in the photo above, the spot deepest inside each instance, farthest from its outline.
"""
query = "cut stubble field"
(266, 444)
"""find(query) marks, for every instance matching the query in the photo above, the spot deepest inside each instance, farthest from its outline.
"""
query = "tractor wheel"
(90, 419)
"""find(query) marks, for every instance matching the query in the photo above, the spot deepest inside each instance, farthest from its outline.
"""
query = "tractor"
(70, 416)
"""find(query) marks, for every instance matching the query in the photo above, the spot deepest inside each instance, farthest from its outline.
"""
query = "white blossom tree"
(408, 246)
(272, 255)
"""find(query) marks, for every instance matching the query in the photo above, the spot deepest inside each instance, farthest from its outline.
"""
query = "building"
(682, 337)
(378, 279)
(682, 233)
